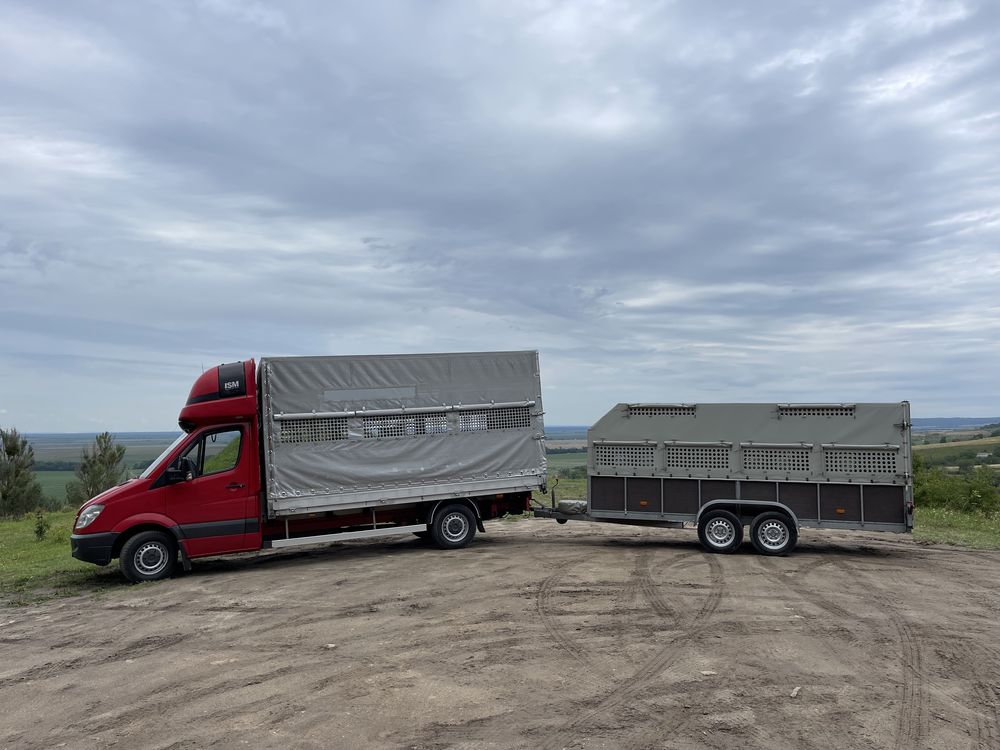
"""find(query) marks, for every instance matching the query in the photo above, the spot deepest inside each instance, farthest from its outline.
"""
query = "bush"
(42, 524)
(20, 492)
(574, 472)
(974, 492)
(100, 469)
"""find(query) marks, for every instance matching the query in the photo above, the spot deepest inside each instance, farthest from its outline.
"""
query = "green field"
(960, 454)
(54, 483)
(566, 460)
(139, 447)
(985, 445)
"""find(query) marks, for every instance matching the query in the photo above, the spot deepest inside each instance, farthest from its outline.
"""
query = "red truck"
(307, 450)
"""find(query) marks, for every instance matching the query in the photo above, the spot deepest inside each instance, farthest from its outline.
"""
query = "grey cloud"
(671, 201)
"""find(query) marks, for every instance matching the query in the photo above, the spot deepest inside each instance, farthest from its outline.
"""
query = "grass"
(566, 460)
(54, 483)
(946, 526)
(32, 570)
(567, 489)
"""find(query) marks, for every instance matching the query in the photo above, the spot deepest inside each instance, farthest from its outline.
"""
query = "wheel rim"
(454, 527)
(151, 558)
(772, 535)
(720, 532)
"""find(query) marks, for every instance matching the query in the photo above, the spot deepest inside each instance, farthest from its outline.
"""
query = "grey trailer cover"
(358, 431)
(838, 465)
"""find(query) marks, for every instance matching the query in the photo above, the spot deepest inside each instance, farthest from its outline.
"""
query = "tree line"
(101, 467)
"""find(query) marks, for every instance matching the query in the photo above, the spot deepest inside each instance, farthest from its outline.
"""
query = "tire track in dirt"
(654, 666)
(911, 727)
(643, 580)
(543, 608)
(134, 650)
(493, 728)
(979, 661)
(185, 695)
(795, 581)
(986, 732)
(912, 724)
(496, 728)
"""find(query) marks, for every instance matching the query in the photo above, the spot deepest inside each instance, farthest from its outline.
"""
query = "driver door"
(211, 507)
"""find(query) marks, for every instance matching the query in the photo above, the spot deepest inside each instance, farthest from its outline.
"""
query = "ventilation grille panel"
(662, 410)
(691, 457)
(625, 456)
(776, 460)
(501, 418)
(859, 461)
(404, 425)
(816, 411)
(318, 430)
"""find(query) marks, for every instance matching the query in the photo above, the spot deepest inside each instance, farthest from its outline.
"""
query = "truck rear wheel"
(453, 527)
(773, 534)
(148, 556)
(720, 531)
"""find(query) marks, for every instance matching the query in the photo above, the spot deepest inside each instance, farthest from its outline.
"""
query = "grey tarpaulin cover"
(357, 431)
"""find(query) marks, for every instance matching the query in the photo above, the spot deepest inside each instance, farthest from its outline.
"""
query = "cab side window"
(215, 452)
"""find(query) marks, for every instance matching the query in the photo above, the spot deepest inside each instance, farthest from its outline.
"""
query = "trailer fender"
(461, 501)
(760, 506)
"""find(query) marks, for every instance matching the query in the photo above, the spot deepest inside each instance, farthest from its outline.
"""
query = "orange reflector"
(643, 503)
(841, 510)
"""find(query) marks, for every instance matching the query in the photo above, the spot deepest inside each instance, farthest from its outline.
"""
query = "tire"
(720, 531)
(454, 527)
(561, 520)
(148, 556)
(773, 533)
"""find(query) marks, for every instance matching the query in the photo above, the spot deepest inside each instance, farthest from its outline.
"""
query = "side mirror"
(181, 471)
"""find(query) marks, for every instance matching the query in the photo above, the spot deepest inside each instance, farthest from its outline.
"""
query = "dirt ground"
(536, 636)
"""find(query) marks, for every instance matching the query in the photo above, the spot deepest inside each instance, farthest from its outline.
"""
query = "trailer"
(310, 450)
(771, 467)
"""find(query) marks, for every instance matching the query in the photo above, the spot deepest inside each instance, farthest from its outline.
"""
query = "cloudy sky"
(698, 200)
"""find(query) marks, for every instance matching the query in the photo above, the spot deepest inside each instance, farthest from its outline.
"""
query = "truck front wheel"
(454, 527)
(148, 556)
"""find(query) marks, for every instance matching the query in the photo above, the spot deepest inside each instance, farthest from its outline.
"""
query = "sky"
(689, 201)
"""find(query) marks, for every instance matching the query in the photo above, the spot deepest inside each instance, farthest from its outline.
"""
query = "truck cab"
(199, 497)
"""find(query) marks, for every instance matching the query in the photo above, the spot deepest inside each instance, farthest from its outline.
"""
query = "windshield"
(162, 457)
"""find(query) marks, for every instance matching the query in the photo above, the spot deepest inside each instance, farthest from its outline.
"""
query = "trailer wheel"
(773, 534)
(720, 531)
(148, 556)
(453, 527)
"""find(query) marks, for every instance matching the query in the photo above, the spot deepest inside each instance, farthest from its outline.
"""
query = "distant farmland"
(139, 446)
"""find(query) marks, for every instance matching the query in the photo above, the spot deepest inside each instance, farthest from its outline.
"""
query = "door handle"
(235, 486)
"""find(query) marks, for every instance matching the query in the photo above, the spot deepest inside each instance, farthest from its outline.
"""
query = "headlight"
(87, 517)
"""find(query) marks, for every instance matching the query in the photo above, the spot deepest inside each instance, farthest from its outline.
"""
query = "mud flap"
(183, 559)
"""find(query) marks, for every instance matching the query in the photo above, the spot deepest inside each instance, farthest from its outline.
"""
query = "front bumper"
(93, 548)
